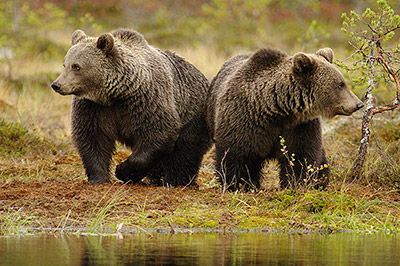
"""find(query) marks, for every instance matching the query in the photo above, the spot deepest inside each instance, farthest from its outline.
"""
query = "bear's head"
(85, 67)
(327, 86)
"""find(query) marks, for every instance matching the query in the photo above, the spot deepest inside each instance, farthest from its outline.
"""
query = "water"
(202, 249)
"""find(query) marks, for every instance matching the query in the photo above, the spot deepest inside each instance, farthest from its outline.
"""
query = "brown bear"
(267, 105)
(151, 100)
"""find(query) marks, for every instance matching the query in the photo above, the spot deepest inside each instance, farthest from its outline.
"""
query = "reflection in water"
(202, 249)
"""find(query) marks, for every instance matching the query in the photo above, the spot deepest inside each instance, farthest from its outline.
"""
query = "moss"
(16, 139)
(255, 222)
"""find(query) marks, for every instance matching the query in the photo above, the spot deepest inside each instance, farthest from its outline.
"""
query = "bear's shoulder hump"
(130, 37)
(266, 58)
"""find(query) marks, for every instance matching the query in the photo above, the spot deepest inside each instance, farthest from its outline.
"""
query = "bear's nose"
(56, 86)
(360, 105)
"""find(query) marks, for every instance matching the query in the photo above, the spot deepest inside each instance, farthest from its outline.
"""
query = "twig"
(170, 225)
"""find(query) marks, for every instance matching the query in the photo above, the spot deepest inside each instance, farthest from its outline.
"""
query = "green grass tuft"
(16, 139)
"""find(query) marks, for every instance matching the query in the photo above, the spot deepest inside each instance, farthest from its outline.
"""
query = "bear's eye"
(75, 67)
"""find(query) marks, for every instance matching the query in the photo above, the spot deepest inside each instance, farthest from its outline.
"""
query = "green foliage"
(371, 26)
(253, 24)
(314, 36)
(377, 61)
(309, 178)
(169, 29)
(239, 20)
(369, 33)
(28, 32)
(49, 17)
(87, 23)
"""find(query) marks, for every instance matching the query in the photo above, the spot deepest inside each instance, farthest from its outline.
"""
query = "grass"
(42, 182)
(115, 206)
(13, 222)
(102, 209)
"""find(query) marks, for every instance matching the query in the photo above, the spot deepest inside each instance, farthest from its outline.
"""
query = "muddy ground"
(56, 194)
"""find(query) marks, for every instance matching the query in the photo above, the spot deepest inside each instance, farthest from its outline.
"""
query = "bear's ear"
(105, 42)
(326, 53)
(303, 64)
(78, 36)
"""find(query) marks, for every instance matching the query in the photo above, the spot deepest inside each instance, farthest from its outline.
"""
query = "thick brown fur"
(152, 101)
(256, 99)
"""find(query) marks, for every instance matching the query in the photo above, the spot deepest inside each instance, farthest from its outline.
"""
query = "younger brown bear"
(152, 101)
(259, 100)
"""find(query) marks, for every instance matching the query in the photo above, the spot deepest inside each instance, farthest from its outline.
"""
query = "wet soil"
(54, 192)
(49, 201)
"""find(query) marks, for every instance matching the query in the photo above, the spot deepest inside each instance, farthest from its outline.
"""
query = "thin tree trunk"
(358, 167)
(357, 170)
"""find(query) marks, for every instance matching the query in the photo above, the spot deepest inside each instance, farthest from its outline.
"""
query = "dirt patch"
(60, 197)
(60, 194)
(51, 200)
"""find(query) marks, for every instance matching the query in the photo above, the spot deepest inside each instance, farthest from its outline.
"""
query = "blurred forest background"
(35, 35)
(43, 28)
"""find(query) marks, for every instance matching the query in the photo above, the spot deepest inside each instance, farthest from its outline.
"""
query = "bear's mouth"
(343, 111)
(63, 93)
(77, 91)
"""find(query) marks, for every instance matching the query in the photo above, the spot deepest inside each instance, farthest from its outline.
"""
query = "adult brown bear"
(258, 100)
(151, 100)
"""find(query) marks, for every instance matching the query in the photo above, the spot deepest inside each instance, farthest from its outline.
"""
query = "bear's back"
(190, 86)
(243, 72)
(249, 67)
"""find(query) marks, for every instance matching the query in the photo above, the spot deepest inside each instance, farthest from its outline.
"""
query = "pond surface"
(202, 249)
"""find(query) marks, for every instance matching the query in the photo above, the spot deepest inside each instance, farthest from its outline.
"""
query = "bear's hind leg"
(182, 166)
(142, 160)
(156, 175)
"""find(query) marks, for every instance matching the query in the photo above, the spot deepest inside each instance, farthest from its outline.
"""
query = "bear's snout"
(359, 106)
(56, 86)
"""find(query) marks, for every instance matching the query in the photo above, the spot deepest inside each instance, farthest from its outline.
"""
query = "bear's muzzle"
(56, 86)
(359, 106)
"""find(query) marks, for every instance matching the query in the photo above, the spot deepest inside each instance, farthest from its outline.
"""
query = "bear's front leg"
(305, 161)
(96, 153)
(94, 144)
(238, 167)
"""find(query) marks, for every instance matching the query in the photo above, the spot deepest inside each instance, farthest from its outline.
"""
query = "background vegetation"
(36, 148)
